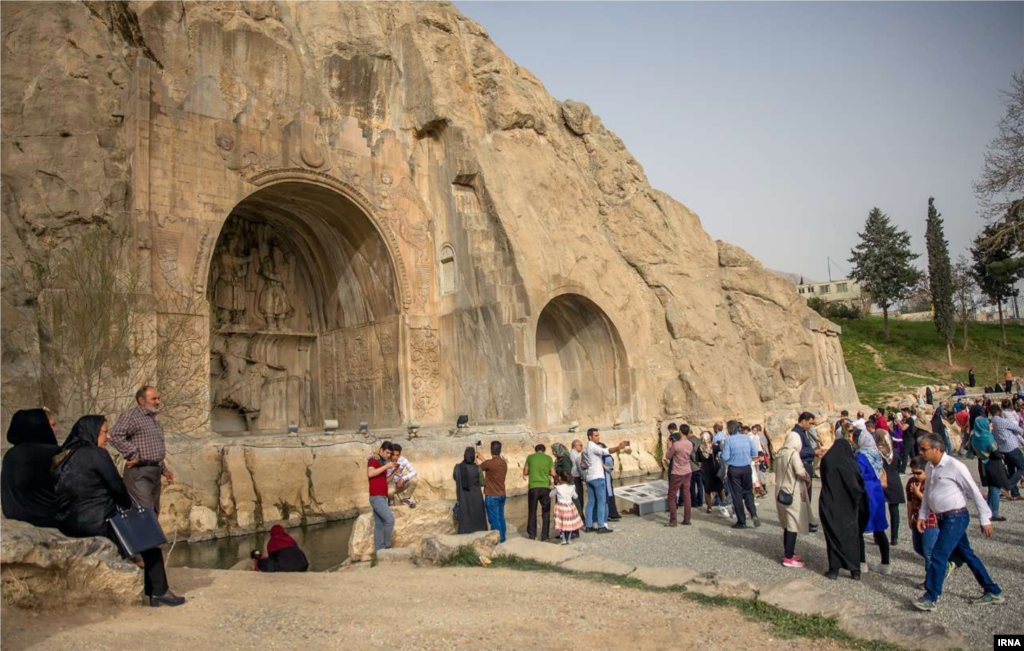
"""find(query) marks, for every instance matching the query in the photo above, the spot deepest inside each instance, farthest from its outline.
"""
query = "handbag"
(785, 498)
(136, 529)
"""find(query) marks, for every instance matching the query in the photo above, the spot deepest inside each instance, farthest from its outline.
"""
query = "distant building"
(835, 291)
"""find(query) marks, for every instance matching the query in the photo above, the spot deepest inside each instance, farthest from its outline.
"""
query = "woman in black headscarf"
(26, 488)
(842, 508)
(469, 493)
(89, 490)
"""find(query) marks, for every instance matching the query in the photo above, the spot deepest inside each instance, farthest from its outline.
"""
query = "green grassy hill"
(916, 355)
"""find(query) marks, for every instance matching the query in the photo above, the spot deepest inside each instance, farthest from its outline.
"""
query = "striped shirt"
(137, 435)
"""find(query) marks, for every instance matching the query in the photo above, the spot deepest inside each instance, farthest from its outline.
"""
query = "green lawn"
(916, 348)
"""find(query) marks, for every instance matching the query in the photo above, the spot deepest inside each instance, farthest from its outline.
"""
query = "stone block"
(540, 552)
(437, 548)
(664, 577)
(802, 597)
(587, 563)
(411, 526)
(396, 555)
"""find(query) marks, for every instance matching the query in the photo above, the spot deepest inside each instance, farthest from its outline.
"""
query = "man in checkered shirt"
(140, 440)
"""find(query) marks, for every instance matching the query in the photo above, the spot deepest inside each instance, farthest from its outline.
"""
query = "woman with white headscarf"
(870, 462)
(791, 480)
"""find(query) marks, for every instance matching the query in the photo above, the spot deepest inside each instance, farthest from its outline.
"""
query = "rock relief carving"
(245, 157)
(426, 372)
(274, 304)
(167, 259)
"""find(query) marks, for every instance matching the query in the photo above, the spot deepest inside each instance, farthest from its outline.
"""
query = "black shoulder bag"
(136, 529)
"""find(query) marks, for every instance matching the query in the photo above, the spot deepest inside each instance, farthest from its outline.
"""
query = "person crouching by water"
(89, 490)
(283, 554)
(567, 518)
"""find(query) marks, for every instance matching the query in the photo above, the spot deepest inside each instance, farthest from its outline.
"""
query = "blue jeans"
(993, 500)
(495, 505)
(924, 543)
(383, 522)
(597, 498)
(952, 539)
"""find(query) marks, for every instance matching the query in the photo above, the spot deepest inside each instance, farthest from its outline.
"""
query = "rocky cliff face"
(163, 116)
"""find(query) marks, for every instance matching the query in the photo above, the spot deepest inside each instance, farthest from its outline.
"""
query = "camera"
(255, 555)
(479, 443)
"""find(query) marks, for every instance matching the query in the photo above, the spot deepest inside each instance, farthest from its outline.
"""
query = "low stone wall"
(234, 486)
(42, 568)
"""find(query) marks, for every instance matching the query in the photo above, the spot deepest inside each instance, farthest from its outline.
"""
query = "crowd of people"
(76, 487)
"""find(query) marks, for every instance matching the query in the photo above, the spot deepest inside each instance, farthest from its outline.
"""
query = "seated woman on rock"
(89, 490)
(283, 554)
(26, 488)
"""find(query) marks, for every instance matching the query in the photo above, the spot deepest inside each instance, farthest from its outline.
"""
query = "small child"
(567, 518)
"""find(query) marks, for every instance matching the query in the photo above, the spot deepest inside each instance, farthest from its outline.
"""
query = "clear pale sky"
(782, 124)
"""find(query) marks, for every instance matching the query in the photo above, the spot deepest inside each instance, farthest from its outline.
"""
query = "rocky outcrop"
(411, 527)
(237, 486)
(435, 549)
(363, 212)
(41, 568)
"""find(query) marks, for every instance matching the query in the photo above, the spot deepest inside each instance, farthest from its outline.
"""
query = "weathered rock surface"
(42, 568)
(390, 221)
(588, 563)
(396, 555)
(411, 526)
(664, 577)
(534, 550)
(437, 548)
(803, 597)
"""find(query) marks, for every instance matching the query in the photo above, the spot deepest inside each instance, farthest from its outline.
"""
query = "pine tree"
(996, 278)
(940, 277)
(882, 263)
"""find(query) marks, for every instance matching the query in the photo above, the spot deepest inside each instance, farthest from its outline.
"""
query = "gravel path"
(397, 607)
(756, 555)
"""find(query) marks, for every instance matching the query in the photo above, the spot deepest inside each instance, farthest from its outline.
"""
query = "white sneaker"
(864, 568)
(882, 569)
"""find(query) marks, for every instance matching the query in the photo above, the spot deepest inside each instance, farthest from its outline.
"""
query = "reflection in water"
(326, 545)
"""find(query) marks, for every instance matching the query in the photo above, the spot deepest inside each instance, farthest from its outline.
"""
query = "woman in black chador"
(469, 493)
(842, 508)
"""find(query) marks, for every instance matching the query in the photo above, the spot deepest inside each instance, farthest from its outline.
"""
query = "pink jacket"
(678, 455)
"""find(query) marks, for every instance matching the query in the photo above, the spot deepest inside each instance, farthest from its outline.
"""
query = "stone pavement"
(877, 607)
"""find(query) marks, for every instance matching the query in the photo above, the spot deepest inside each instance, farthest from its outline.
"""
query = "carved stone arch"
(356, 196)
(308, 292)
(583, 361)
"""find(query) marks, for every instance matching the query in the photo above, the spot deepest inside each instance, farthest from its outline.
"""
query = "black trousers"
(581, 491)
(613, 508)
(741, 485)
(543, 496)
(156, 575)
(883, 547)
(788, 543)
(894, 523)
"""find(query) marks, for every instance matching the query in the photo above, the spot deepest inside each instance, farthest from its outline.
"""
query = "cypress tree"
(940, 277)
(882, 263)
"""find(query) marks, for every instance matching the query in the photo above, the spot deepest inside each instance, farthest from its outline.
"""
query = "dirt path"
(397, 607)
(880, 364)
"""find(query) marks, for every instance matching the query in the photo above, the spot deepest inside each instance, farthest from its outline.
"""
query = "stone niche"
(304, 315)
(585, 374)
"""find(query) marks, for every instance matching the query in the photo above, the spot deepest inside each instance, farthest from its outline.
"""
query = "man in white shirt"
(947, 486)
(403, 476)
(593, 463)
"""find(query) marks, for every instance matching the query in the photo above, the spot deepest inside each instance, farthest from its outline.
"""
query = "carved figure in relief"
(426, 372)
(274, 304)
(241, 385)
(230, 272)
(306, 406)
